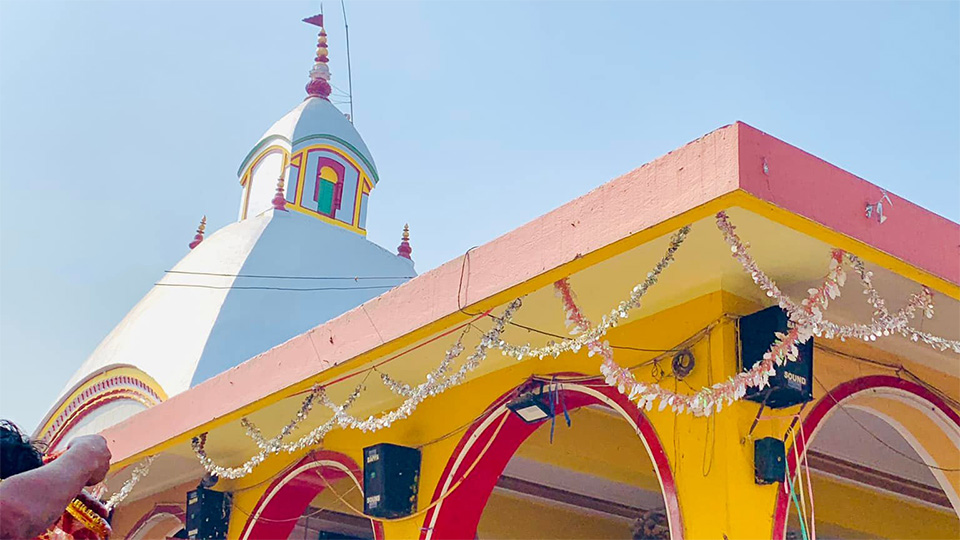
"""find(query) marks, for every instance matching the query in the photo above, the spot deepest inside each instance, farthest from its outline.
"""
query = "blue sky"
(122, 123)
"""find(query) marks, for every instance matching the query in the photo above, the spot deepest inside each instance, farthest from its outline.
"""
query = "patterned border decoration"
(95, 395)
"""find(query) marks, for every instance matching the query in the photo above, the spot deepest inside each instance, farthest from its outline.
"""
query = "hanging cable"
(273, 276)
(267, 288)
(877, 438)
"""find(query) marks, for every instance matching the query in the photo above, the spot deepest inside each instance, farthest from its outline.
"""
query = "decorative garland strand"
(805, 320)
(141, 470)
(711, 399)
(882, 324)
(436, 383)
(608, 321)
(273, 445)
(919, 301)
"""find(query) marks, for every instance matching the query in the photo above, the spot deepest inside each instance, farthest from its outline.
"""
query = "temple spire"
(404, 250)
(199, 236)
(319, 85)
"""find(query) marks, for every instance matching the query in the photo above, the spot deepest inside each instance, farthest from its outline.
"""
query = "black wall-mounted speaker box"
(208, 514)
(391, 480)
(769, 460)
(793, 382)
(327, 535)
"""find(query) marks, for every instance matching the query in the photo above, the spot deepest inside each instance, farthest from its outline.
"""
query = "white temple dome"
(200, 319)
(297, 257)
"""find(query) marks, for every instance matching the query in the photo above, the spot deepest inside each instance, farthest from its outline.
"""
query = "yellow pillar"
(712, 457)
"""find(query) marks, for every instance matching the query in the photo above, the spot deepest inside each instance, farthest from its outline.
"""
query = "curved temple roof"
(314, 120)
(192, 325)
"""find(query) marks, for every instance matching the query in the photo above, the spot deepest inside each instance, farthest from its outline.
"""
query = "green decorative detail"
(256, 150)
(325, 197)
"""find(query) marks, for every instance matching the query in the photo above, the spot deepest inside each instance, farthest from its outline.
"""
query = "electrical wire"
(877, 438)
(692, 340)
(682, 346)
(707, 465)
(806, 464)
(463, 427)
(374, 367)
(346, 31)
(267, 288)
(271, 276)
(461, 293)
(898, 368)
(557, 336)
(802, 509)
(803, 526)
(443, 496)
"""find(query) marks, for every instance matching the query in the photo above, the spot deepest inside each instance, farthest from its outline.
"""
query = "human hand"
(91, 452)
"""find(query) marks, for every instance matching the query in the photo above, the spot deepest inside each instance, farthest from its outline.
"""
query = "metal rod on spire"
(346, 31)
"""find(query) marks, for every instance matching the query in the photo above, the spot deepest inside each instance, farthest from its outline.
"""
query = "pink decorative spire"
(279, 200)
(404, 250)
(199, 236)
(319, 85)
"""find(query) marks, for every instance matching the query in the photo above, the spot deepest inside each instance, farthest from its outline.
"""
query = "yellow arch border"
(365, 186)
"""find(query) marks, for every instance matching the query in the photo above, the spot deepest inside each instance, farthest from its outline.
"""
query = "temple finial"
(279, 199)
(404, 250)
(199, 236)
(319, 85)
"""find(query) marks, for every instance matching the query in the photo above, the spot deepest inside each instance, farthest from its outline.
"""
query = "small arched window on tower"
(329, 186)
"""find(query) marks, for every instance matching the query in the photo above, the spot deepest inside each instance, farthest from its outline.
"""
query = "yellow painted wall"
(712, 458)
(839, 505)
(509, 517)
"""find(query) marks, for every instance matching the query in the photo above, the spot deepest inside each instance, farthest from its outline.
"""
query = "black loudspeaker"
(769, 460)
(208, 514)
(793, 382)
(391, 480)
(327, 535)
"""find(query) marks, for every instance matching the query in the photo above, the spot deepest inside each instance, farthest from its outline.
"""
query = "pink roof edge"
(721, 162)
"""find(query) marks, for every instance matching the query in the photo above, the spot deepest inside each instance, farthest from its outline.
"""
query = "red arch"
(276, 513)
(832, 400)
(159, 509)
(459, 514)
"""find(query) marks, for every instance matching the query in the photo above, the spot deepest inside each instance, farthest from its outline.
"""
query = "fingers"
(92, 452)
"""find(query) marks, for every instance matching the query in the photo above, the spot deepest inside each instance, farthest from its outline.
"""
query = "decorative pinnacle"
(404, 250)
(199, 236)
(319, 85)
(279, 200)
